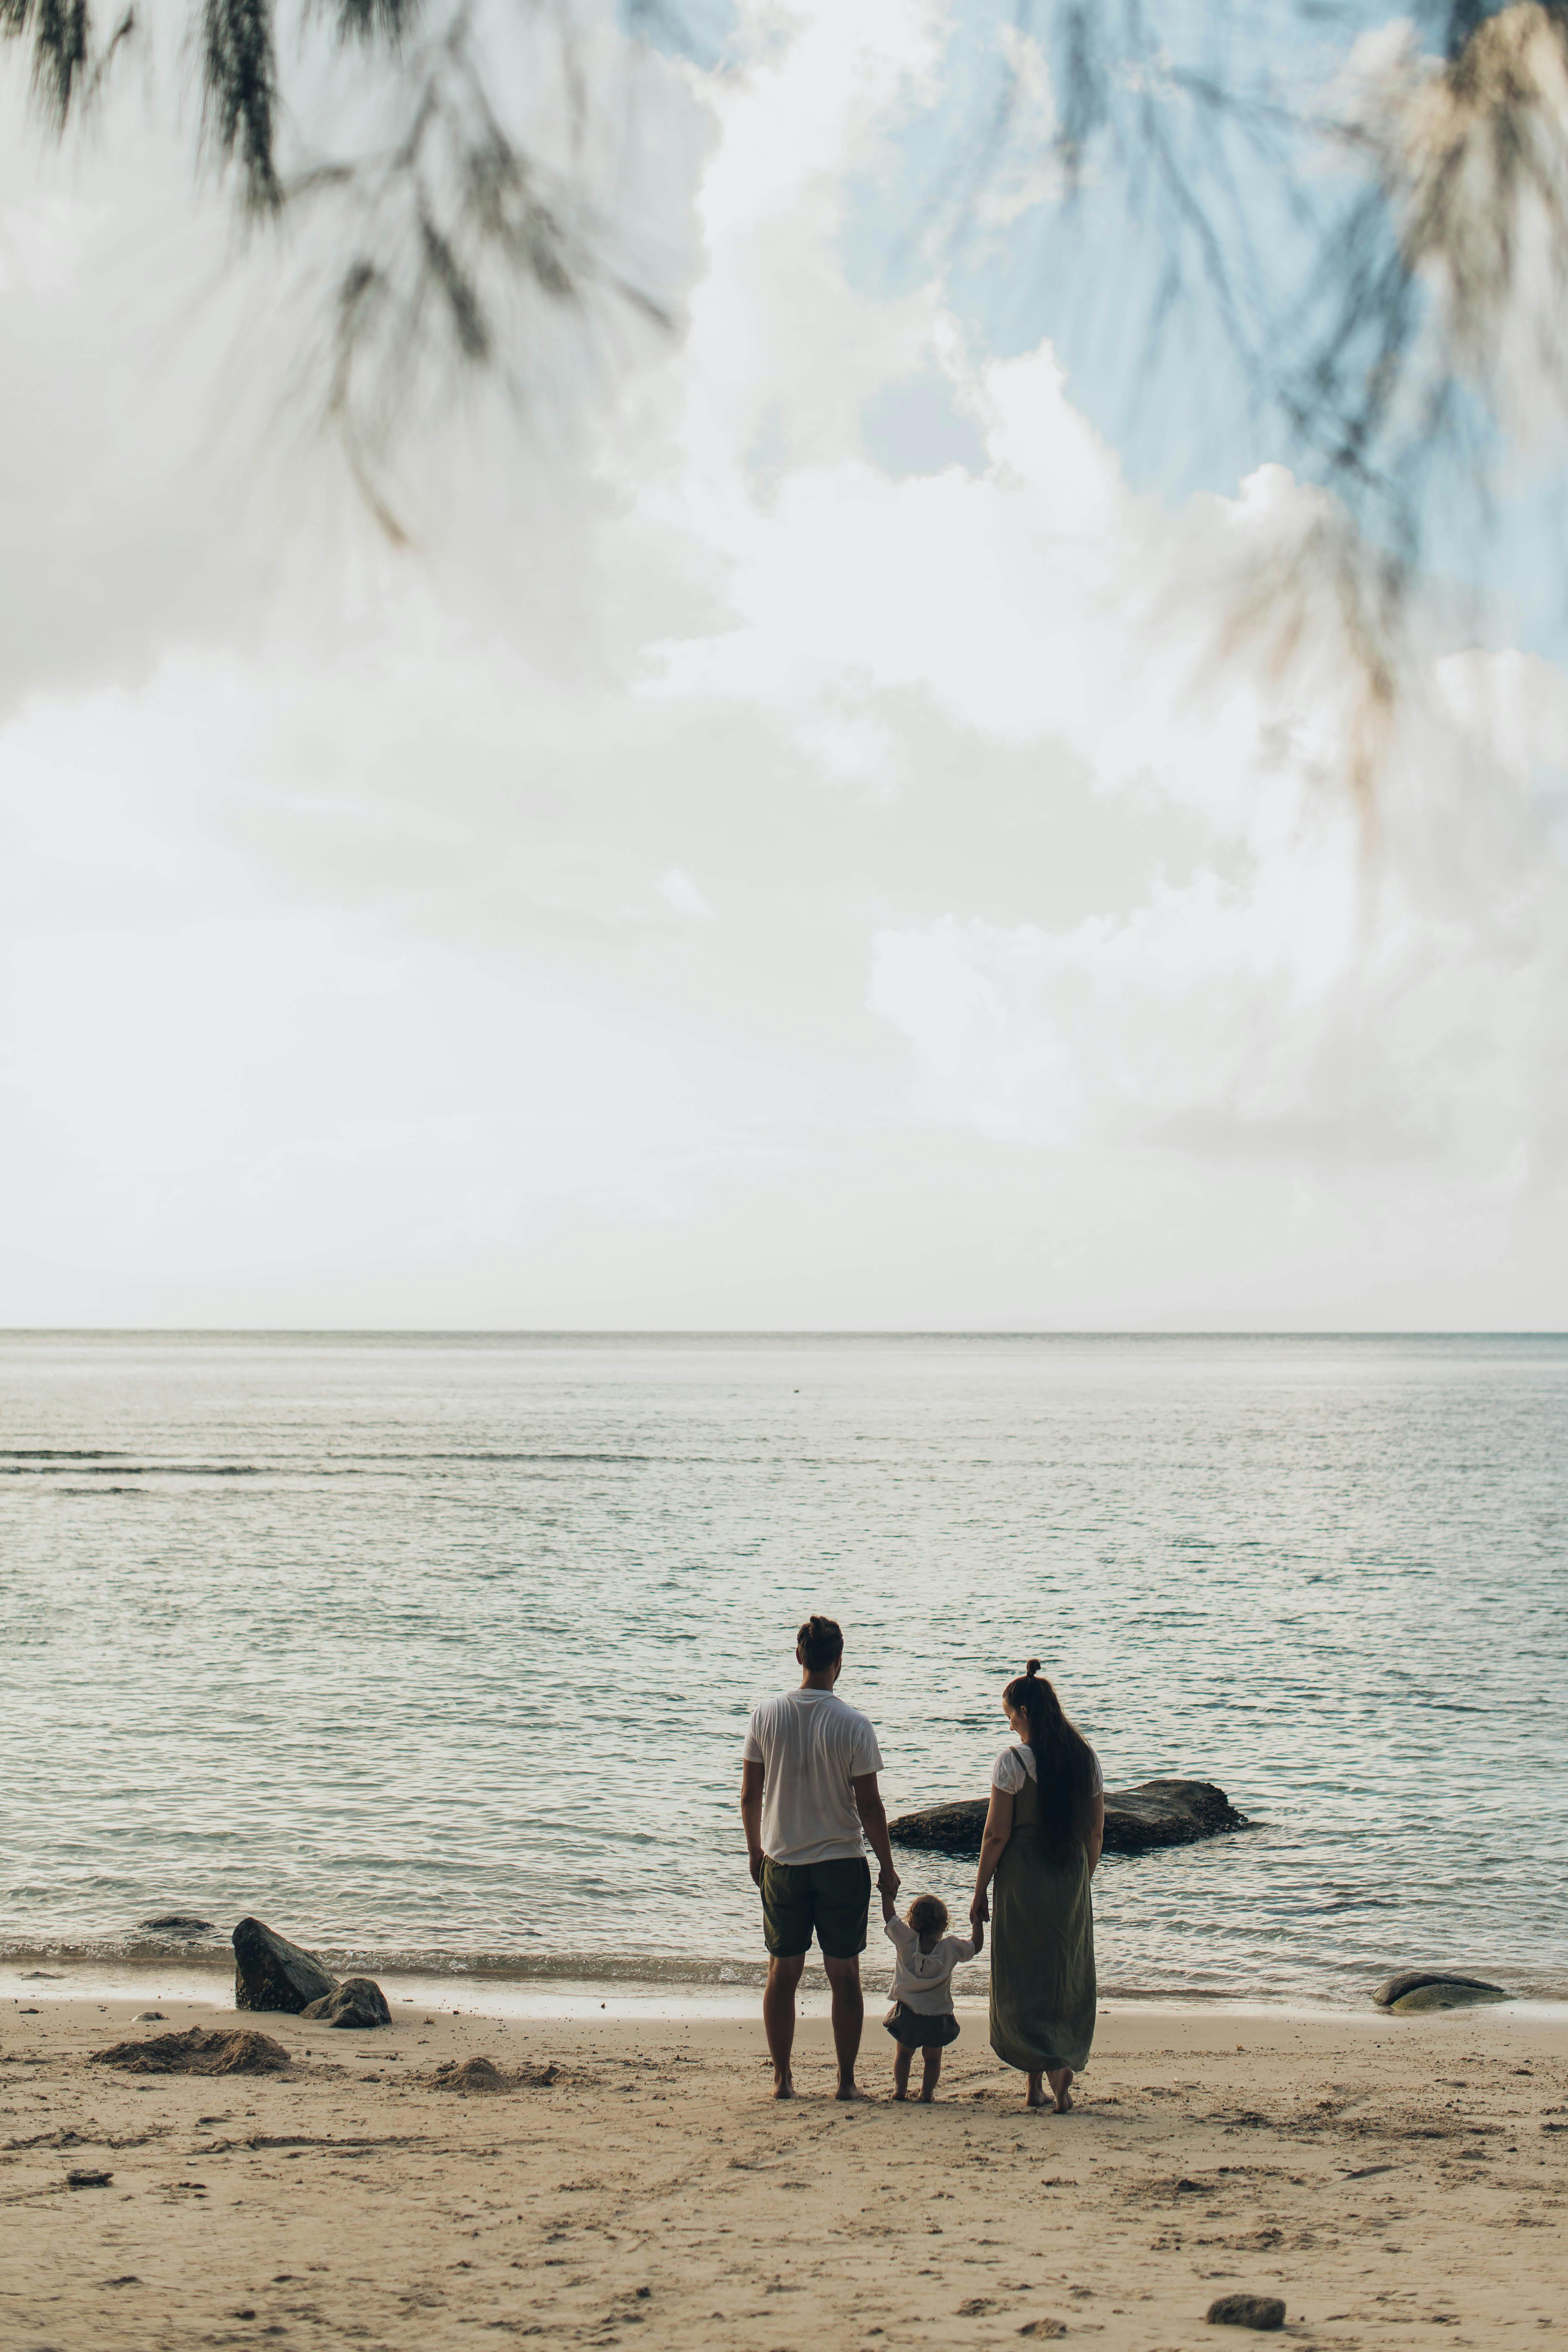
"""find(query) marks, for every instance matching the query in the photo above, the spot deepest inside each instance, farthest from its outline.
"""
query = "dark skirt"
(1043, 1995)
(912, 2030)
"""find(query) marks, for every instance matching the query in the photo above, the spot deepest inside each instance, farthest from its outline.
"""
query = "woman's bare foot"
(1037, 2095)
(783, 2086)
(1061, 2083)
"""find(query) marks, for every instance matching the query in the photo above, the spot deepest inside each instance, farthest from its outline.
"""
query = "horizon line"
(589, 1331)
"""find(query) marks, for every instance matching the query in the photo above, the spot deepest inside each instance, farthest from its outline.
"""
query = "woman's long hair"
(1064, 1763)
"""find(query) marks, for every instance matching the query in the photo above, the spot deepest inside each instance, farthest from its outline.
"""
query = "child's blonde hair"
(927, 1914)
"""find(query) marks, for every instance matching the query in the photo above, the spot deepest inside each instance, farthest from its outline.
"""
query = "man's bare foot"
(901, 2091)
(783, 2086)
(1061, 2084)
(926, 2098)
(848, 2090)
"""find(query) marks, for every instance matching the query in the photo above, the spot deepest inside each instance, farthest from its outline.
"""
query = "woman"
(1043, 1836)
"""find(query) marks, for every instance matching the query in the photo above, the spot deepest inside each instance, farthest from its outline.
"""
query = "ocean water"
(441, 1649)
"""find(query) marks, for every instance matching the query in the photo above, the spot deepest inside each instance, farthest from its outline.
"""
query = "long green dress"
(1043, 1990)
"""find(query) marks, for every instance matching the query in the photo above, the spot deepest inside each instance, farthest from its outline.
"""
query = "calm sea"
(443, 1648)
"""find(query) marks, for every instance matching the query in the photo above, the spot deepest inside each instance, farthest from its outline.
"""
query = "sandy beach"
(1395, 2179)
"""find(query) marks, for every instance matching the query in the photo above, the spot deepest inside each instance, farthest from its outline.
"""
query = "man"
(808, 1794)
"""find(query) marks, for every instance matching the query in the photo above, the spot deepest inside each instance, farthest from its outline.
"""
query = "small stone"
(149, 2016)
(1245, 2311)
(85, 2180)
(1042, 2328)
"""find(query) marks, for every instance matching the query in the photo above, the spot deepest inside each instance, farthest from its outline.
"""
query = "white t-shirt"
(923, 1980)
(810, 1747)
(1018, 1760)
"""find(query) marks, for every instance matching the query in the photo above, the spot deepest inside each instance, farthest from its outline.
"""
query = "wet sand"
(1396, 2181)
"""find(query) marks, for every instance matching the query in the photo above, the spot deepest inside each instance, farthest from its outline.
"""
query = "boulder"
(357, 2001)
(1245, 2311)
(270, 1972)
(1422, 1989)
(1137, 1821)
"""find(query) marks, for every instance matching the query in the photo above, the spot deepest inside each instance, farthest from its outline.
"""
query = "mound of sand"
(484, 2075)
(197, 2053)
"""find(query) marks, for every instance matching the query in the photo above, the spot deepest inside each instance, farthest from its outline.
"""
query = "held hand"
(888, 1885)
(979, 1932)
(887, 1904)
(978, 1910)
(757, 1867)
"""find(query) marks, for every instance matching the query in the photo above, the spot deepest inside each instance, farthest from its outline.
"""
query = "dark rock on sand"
(270, 1972)
(357, 2001)
(1247, 2311)
(199, 2052)
(82, 2179)
(1422, 1988)
(1137, 1821)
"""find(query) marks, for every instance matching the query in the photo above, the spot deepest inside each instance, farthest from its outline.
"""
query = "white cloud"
(1046, 986)
(682, 895)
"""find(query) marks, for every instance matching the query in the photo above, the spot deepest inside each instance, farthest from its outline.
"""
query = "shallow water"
(444, 1648)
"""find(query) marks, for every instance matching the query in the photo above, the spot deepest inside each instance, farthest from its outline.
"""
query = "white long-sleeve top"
(923, 1980)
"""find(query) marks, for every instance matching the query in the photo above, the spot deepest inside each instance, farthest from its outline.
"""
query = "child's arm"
(887, 1905)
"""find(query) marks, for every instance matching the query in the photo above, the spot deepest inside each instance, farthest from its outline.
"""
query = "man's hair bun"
(1033, 1667)
(818, 1642)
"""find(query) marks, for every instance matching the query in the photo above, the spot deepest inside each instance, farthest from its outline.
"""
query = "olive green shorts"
(832, 1897)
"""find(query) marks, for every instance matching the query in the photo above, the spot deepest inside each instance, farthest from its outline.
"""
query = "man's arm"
(752, 1816)
(874, 1822)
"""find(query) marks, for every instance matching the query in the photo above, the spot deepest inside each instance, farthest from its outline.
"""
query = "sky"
(775, 850)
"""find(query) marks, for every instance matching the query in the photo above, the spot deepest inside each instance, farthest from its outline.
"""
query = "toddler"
(921, 2016)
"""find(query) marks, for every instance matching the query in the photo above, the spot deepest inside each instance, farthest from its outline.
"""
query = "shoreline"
(628, 1990)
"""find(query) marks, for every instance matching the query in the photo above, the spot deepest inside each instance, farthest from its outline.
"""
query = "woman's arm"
(1094, 1835)
(998, 1830)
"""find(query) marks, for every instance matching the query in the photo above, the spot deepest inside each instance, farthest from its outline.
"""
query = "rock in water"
(270, 1972)
(1247, 2311)
(358, 2001)
(1137, 1821)
(175, 1923)
(199, 2052)
(1422, 1989)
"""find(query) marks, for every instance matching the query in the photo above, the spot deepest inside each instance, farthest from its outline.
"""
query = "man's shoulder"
(769, 1710)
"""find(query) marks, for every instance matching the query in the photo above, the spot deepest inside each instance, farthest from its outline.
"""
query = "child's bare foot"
(1061, 2083)
(784, 2085)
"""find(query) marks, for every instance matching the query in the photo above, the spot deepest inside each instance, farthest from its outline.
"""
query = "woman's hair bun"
(1033, 1667)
